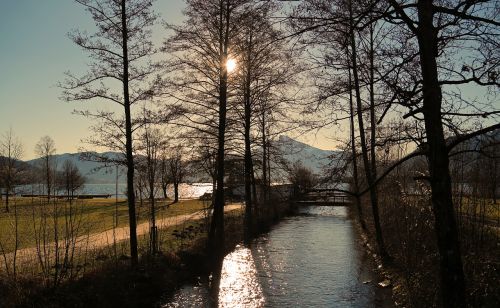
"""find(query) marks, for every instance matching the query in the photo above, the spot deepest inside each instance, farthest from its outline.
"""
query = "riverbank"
(389, 276)
(409, 237)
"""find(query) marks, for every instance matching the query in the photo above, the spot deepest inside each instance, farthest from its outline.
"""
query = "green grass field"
(90, 216)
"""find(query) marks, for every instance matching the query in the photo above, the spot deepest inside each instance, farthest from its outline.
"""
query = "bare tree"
(121, 49)
(70, 179)
(302, 178)
(369, 169)
(354, 157)
(45, 150)
(151, 145)
(177, 170)
(163, 172)
(425, 70)
(11, 151)
(334, 23)
(267, 69)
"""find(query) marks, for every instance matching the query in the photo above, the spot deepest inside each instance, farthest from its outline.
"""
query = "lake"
(186, 190)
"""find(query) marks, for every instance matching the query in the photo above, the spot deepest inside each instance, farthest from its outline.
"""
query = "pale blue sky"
(34, 54)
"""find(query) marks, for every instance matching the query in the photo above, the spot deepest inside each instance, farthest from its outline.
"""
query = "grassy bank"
(88, 216)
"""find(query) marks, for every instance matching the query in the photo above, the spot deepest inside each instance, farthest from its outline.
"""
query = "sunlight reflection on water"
(239, 284)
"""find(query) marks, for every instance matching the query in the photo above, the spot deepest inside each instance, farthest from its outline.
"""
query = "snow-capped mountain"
(313, 158)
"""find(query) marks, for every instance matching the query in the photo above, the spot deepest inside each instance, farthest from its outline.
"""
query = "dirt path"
(103, 239)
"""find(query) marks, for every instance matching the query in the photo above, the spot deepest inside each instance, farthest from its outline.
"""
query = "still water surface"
(311, 259)
(186, 190)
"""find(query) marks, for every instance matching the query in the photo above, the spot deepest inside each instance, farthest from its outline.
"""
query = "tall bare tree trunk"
(164, 190)
(248, 186)
(7, 201)
(452, 275)
(264, 160)
(176, 191)
(255, 203)
(373, 122)
(269, 189)
(248, 224)
(364, 150)
(153, 233)
(48, 177)
(134, 258)
(216, 234)
(357, 198)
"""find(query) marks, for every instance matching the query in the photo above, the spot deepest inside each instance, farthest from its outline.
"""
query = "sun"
(230, 65)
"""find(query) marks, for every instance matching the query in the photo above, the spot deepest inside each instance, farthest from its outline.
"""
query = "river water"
(311, 259)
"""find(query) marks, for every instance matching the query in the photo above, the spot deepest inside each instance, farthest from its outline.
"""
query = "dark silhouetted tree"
(203, 46)
(122, 72)
(70, 179)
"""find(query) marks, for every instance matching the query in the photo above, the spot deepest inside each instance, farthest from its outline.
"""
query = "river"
(311, 259)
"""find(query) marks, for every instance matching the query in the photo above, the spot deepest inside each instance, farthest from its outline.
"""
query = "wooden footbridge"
(325, 197)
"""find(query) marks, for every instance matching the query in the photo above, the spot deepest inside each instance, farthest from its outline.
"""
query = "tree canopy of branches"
(430, 50)
(267, 70)
(202, 47)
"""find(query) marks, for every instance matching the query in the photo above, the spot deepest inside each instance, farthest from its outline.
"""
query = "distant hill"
(95, 172)
(23, 170)
(293, 151)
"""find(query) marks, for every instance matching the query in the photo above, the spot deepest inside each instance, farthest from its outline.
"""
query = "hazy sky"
(34, 54)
